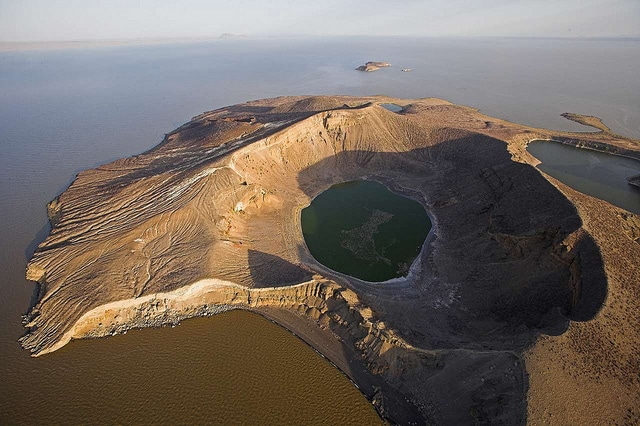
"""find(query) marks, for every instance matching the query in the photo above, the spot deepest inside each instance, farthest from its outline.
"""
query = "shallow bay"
(204, 371)
(595, 173)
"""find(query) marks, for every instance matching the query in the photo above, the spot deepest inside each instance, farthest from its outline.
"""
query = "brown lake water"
(234, 368)
(68, 110)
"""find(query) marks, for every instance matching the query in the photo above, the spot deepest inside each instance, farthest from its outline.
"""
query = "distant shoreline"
(90, 44)
(16, 46)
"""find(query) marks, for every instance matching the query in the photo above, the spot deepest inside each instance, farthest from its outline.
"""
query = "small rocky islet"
(373, 66)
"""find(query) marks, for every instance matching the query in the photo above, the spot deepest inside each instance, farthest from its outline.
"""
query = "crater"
(362, 229)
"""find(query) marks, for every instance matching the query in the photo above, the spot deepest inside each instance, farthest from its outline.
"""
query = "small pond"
(362, 229)
(392, 107)
(594, 173)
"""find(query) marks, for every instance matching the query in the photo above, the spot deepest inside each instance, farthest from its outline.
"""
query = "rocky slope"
(522, 276)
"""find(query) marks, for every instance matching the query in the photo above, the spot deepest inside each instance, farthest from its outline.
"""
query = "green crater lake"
(362, 229)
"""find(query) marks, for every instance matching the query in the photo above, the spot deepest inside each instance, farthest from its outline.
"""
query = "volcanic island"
(523, 304)
(373, 66)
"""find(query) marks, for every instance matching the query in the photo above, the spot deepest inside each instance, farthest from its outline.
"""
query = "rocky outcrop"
(209, 220)
(373, 66)
(587, 120)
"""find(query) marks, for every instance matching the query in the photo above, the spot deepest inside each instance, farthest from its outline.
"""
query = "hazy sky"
(54, 20)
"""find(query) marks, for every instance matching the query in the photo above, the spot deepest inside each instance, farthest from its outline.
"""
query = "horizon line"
(9, 45)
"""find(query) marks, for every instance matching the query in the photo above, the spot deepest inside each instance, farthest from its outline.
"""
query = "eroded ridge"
(520, 270)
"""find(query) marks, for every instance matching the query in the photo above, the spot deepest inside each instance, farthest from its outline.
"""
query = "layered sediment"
(521, 276)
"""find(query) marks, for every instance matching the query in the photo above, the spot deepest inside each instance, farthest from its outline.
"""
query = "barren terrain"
(523, 306)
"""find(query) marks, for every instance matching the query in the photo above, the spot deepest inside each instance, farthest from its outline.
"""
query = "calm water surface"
(392, 107)
(68, 110)
(138, 378)
(595, 173)
(364, 230)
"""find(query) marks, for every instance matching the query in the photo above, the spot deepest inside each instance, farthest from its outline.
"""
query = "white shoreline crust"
(198, 299)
